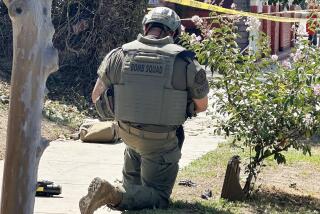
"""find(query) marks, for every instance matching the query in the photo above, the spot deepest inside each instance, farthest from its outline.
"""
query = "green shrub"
(267, 104)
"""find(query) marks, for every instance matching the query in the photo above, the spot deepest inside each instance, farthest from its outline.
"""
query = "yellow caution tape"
(219, 9)
(295, 12)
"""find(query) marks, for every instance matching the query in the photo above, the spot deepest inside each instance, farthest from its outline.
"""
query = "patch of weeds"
(210, 161)
(275, 201)
(3, 106)
(208, 206)
(209, 170)
(62, 114)
(183, 207)
(295, 156)
(69, 112)
(4, 95)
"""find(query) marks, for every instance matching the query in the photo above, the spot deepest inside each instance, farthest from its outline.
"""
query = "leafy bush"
(269, 105)
(85, 31)
(62, 114)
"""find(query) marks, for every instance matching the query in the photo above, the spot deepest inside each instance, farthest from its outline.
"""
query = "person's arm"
(110, 64)
(198, 86)
(98, 89)
(200, 104)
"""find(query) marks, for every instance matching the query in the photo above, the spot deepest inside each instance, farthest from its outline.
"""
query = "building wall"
(280, 33)
(243, 41)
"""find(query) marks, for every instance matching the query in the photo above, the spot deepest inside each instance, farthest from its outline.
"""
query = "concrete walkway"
(73, 165)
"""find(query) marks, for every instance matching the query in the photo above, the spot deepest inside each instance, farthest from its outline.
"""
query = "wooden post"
(34, 59)
(231, 189)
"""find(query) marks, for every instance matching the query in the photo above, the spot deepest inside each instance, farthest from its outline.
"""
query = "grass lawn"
(290, 188)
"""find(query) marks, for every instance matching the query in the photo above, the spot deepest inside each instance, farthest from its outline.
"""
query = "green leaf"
(280, 158)
(267, 153)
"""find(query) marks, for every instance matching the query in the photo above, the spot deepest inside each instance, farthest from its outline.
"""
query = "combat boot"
(100, 192)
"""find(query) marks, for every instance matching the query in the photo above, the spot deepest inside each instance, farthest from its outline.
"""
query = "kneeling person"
(154, 82)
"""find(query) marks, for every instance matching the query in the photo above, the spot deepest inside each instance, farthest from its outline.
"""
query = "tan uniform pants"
(149, 172)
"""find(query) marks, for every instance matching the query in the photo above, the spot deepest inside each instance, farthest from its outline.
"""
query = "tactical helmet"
(165, 16)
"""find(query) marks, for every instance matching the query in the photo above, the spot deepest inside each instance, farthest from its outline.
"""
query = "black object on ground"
(187, 183)
(207, 194)
(47, 188)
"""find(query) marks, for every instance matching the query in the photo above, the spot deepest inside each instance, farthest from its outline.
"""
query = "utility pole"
(34, 58)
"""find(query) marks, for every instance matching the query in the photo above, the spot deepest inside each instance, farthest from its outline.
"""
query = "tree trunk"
(34, 59)
(231, 189)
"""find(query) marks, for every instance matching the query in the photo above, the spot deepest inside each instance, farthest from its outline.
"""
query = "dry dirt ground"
(50, 130)
(289, 187)
(299, 179)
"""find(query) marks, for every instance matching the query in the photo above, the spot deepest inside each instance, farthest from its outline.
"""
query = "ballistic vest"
(145, 93)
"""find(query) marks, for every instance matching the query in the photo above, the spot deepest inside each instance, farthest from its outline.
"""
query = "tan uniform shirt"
(188, 75)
